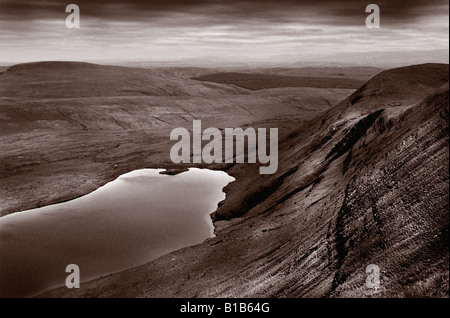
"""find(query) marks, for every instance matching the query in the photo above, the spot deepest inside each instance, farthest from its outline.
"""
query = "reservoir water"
(126, 223)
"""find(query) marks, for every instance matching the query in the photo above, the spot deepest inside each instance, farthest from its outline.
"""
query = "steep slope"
(395, 208)
(364, 183)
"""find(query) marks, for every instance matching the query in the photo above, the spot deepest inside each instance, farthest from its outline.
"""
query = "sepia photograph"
(215, 152)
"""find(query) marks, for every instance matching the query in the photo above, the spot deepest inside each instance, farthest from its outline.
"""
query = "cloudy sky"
(32, 30)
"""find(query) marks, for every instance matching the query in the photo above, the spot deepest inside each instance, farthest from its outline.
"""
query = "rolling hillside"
(67, 128)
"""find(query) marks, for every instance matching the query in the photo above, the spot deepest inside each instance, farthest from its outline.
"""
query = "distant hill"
(379, 59)
(73, 95)
(76, 79)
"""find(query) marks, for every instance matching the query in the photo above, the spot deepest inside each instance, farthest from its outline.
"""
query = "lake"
(126, 223)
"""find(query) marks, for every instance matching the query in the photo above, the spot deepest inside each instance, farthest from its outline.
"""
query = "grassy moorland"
(362, 178)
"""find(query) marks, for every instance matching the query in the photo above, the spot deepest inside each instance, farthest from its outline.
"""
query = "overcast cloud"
(176, 29)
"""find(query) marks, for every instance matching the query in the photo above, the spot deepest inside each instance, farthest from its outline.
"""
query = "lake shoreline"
(138, 217)
(70, 194)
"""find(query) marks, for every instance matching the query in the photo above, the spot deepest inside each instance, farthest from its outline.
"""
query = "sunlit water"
(128, 222)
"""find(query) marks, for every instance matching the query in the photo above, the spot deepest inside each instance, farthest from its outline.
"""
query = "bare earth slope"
(364, 183)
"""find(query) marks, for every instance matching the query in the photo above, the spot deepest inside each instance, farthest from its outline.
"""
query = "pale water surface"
(128, 222)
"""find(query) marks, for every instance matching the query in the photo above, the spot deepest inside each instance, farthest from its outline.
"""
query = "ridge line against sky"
(244, 30)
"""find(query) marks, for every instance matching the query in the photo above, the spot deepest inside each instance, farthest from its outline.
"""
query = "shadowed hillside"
(264, 81)
(366, 182)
